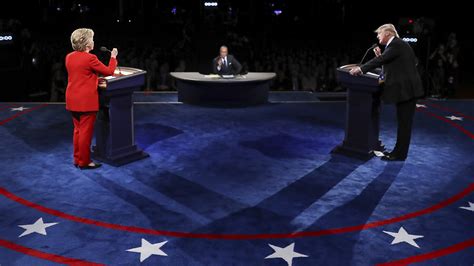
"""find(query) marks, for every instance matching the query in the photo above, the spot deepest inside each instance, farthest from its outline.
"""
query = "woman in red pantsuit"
(82, 98)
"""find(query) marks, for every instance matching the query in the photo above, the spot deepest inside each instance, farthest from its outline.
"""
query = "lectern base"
(121, 159)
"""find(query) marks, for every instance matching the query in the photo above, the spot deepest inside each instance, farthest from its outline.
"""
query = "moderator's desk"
(249, 89)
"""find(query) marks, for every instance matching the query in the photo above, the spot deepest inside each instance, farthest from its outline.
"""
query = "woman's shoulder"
(81, 54)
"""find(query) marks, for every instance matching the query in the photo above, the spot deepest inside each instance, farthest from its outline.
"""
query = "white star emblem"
(452, 118)
(38, 227)
(470, 208)
(21, 109)
(287, 253)
(421, 106)
(379, 153)
(147, 249)
(403, 236)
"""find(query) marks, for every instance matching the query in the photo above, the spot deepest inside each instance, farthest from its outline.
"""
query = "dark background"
(302, 44)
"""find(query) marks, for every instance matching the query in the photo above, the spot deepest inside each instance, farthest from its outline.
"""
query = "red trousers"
(82, 138)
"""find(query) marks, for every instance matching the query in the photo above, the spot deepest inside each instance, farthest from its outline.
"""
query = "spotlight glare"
(6, 38)
(210, 4)
(410, 39)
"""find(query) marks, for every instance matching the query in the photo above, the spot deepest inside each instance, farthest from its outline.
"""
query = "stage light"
(118, 20)
(173, 11)
(277, 12)
(210, 4)
(410, 39)
(6, 38)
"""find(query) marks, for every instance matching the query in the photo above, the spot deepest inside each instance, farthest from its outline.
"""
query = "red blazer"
(83, 69)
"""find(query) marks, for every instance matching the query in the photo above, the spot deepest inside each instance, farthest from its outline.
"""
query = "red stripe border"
(444, 119)
(431, 255)
(149, 231)
(3, 122)
(46, 256)
(447, 109)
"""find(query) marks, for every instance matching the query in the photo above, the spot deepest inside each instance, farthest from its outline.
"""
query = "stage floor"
(222, 185)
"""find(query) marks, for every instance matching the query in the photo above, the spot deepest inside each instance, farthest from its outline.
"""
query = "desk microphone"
(361, 61)
(104, 49)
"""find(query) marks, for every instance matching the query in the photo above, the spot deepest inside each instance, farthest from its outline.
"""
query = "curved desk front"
(249, 89)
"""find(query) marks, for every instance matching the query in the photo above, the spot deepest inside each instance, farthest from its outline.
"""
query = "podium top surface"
(347, 68)
(368, 81)
(198, 77)
(124, 73)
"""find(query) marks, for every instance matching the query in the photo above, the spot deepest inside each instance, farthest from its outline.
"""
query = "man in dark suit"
(226, 64)
(400, 82)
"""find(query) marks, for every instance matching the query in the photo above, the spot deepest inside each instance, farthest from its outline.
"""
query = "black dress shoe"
(393, 157)
(90, 167)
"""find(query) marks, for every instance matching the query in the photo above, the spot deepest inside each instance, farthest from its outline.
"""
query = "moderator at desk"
(249, 89)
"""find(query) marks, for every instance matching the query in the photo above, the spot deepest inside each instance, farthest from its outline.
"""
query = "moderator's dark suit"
(402, 86)
(233, 67)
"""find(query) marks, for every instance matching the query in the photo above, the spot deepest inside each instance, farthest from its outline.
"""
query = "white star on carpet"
(147, 249)
(421, 106)
(452, 118)
(470, 208)
(287, 253)
(21, 109)
(403, 236)
(38, 227)
(379, 153)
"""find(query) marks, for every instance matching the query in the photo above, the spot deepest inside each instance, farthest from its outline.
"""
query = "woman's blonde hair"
(388, 27)
(80, 38)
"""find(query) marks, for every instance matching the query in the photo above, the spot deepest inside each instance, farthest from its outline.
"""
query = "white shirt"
(224, 62)
(389, 41)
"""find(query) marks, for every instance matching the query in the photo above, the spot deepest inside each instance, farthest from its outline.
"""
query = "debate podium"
(362, 114)
(114, 129)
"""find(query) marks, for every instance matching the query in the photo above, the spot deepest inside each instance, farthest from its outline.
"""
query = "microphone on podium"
(104, 49)
(366, 52)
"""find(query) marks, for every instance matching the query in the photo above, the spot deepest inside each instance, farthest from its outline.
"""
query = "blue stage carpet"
(238, 186)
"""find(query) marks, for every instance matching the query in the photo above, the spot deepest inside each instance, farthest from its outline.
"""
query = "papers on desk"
(123, 72)
(119, 73)
(215, 76)
(372, 74)
(212, 76)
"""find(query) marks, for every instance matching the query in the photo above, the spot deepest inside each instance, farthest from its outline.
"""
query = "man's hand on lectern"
(356, 71)
(114, 53)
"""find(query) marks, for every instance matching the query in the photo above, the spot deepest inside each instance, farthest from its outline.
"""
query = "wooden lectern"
(362, 114)
(114, 129)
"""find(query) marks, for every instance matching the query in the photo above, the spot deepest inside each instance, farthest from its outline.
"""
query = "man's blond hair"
(80, 38)
(388, 27)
